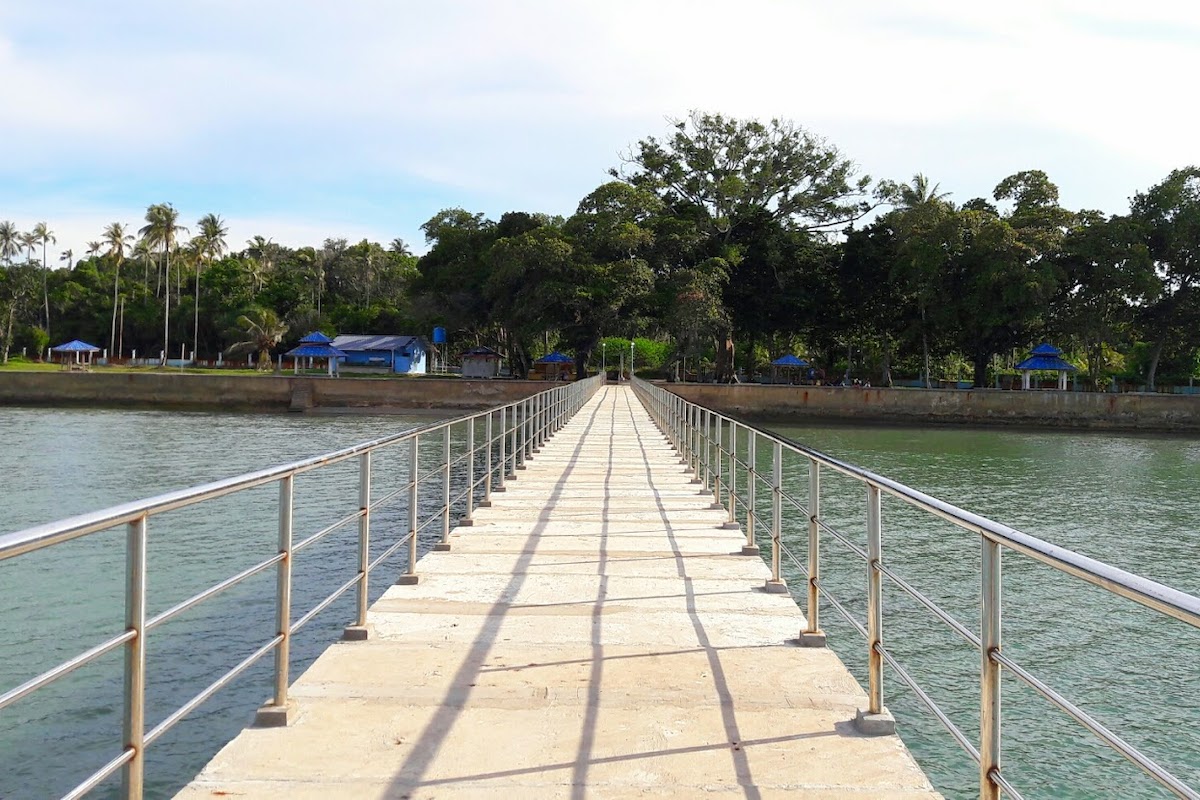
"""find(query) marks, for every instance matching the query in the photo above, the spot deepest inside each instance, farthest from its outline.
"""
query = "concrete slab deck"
(594, 634)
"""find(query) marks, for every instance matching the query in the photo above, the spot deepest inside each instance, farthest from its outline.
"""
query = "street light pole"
(604, 359)
(631, 360)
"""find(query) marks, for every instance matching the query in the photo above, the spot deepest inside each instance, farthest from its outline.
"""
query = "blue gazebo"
(81, 351)
(1045, 357)
(315, 345)
(555, 361)
(786, 362)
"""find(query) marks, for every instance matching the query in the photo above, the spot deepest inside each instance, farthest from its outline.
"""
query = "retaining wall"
(1129, 411)
(255, 392)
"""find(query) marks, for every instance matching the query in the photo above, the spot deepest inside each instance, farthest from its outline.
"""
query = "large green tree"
(1168, 218)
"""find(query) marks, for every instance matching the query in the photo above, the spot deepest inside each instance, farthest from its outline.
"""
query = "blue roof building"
(316, 345)
(404, 355)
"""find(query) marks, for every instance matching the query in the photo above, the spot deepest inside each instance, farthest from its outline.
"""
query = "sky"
(300, 120)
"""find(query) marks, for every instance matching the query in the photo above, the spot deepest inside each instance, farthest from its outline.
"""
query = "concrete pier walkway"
(593, 635)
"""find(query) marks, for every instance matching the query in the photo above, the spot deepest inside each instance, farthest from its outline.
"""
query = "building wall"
(1053, 409)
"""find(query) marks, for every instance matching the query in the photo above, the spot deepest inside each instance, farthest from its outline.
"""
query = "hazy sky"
(301, 120)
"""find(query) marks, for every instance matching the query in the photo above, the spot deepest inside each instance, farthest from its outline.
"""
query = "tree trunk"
(887, 365)
(112, 331)
(12, 313)
(981, 364)
(1154, 357)
(723, 368)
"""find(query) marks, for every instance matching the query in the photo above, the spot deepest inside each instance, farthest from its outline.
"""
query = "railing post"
(875, 719)
(358, 631)
(276, 713)
(503, 456)
(706, 451)
(444, 544)
(775, 584)
(750, 548)
(134, 722)
(720, 426)
(414, 475)
(468, 518)
(488, 435)
(989, 707)
(812, 635)
(695, 433)
(731, 522)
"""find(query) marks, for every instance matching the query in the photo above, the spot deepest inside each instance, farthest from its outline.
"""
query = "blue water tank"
(439, 335)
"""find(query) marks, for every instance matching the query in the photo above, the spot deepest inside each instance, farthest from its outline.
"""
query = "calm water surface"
(58, 602)
(1128, 500)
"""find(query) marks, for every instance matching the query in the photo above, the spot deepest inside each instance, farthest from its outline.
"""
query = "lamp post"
(631, 359)
(604, 359)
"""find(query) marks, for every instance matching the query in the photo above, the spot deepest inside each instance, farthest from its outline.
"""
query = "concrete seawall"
(255, 392)
(1052, 409)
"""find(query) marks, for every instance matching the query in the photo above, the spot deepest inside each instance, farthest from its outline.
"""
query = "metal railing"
(512, 433)
(698, 434)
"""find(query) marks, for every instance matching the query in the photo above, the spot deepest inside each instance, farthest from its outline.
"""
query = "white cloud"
(495, 106)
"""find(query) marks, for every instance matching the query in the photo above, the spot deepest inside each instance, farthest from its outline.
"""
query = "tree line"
(727, 241)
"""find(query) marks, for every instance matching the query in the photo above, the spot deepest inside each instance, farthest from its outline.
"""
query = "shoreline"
(774, 404)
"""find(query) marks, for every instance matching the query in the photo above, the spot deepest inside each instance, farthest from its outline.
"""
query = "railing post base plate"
(519, 466)
(273, 716)
(408, 580)
(775, 587)
(807, 639)
(357, 633)
(441, 547)
(697, 482)
(881, 724)
(486, 503)
(732, 526)
(465, 522)
(716, 506)
(749, 549)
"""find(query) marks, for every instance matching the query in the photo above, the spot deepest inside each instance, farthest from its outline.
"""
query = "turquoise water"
(60, 601)
(1127, 500)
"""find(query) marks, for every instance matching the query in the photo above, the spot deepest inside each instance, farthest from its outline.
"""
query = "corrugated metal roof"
(1045, 362)
(359, 342)
(481, 352)
(76, 346)
(316, 337)
(1045, 349)
(315, 351)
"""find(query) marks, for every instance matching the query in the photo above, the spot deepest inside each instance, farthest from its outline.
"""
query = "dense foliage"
(723, 244)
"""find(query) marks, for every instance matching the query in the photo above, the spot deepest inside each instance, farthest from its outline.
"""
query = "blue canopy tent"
(554, 363)
(315, 345)
(1045, 357)
(788, 362)
(79, 350)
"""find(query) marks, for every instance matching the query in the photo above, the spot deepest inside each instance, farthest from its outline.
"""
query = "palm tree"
(43, 234)
(93, 248)
(211, 245)
(118, 242)
(161, 229)
(10, 241)
(263, 330)
(29, 245)
(68, 256)
(144, 253)
(919, 203)
(400, 247)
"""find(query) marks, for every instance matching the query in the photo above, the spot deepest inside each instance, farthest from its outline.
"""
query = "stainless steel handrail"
(689, 426)
(516, 423)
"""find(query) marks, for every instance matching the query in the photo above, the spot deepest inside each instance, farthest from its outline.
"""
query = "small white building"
(481, 362)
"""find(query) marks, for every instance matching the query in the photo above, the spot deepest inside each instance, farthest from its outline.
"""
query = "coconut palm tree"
(93, 249)
(68, 256)
(144, 253)
(162, 229)
(118, 241)
(10, 241)
(43, 235)
(211, 245)
(263, 330)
